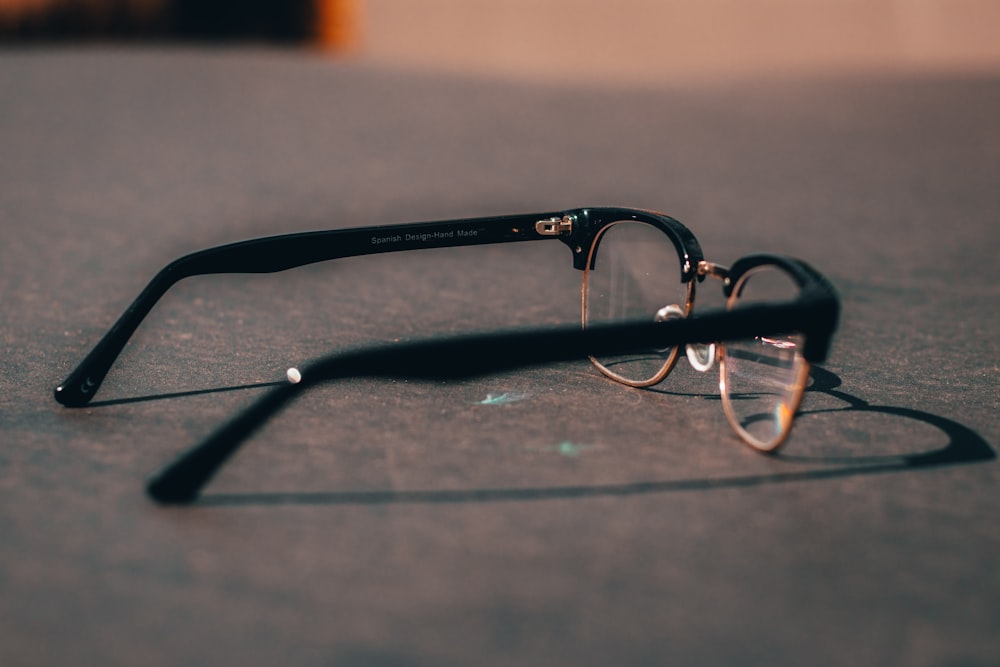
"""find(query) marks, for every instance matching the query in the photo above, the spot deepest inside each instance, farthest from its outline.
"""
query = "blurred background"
(627, 40)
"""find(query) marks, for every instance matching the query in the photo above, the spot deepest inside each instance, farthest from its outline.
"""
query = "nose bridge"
(702, 355)
(706, 268)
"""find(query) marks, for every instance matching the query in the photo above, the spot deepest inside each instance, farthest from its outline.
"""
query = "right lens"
(633, 273)
(763, 378)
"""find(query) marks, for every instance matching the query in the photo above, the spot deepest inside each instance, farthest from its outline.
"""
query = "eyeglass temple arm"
(279, 253)
(471, 356)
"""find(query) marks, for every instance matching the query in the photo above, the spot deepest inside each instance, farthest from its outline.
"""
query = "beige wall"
(636, 40)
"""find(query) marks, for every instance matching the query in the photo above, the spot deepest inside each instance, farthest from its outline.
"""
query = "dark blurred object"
(329, 23)
(275, 20)
(73, 19)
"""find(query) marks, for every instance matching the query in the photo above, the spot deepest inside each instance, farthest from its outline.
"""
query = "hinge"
(555, 226)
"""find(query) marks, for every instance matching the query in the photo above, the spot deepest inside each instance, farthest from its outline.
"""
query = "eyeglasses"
(637, 316)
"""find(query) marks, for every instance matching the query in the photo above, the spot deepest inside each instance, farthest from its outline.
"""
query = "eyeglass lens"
(633, 273)
(763, 378)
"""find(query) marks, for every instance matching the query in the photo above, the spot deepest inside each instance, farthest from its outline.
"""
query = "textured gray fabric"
(403, 523)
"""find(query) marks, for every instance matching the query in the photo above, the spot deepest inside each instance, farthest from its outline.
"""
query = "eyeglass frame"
(813, 313)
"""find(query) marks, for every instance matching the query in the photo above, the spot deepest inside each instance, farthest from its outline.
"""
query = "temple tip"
(165, 490)
(70, 398)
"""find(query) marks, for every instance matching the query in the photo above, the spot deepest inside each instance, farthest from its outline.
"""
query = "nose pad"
(701, 356)
(671, 312)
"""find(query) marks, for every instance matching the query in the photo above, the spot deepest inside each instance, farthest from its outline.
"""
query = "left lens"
(633, 273)
(762, 379)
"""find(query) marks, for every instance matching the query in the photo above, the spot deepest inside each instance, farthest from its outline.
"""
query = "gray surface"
(112, 163)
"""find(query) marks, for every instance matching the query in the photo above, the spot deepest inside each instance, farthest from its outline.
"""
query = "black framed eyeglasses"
(640, 270)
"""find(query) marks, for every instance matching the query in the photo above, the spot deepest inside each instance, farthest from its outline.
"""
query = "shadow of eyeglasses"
(179, 394)
(964, 446)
